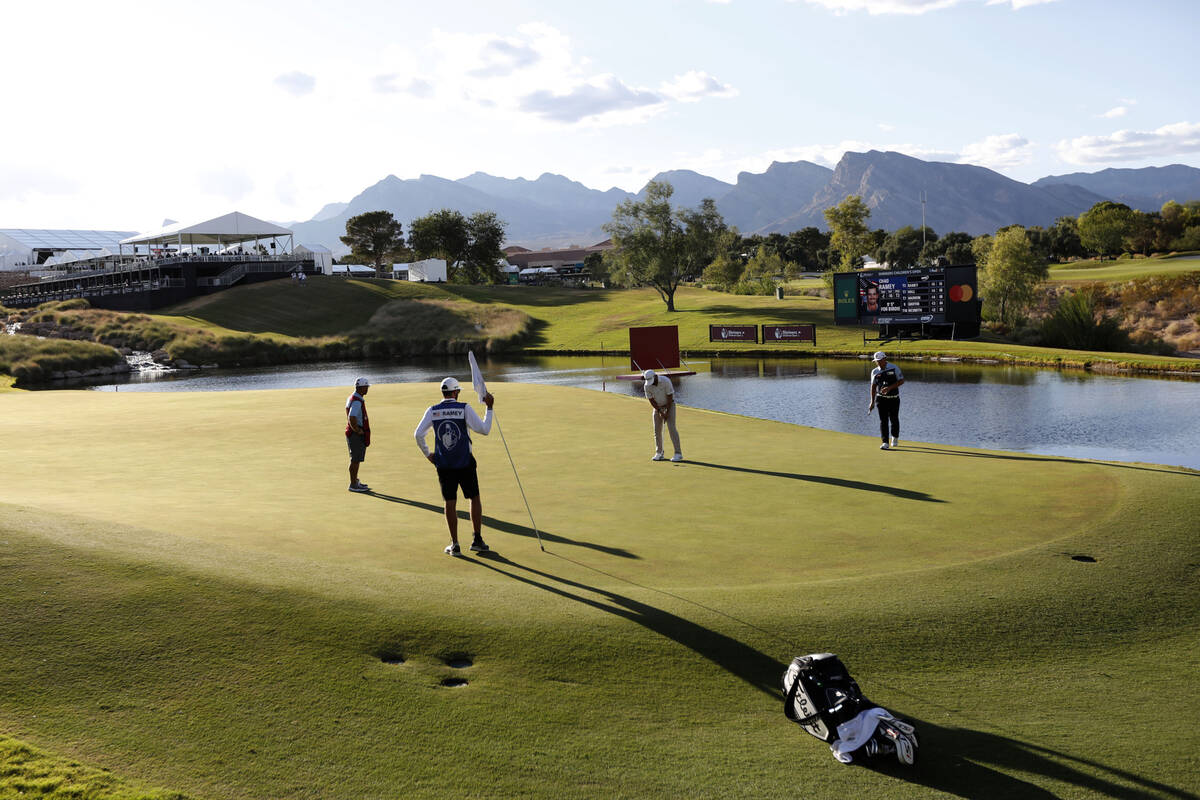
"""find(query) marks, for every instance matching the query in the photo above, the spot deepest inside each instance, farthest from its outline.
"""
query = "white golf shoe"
(677, 457)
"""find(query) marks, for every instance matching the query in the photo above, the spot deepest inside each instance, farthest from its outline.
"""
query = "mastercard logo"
(961, 293)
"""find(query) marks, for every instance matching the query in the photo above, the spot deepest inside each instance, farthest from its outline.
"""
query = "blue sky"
(122, 113)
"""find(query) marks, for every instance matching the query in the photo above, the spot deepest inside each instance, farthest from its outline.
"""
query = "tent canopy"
(230, 229)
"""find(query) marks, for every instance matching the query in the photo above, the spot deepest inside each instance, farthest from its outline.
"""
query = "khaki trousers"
(658, 426)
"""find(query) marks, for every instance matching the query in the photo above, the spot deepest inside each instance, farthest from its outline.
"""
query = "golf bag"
(822, 698)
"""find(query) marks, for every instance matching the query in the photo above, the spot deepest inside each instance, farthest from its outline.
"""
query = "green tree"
(375, 237)
(440, 234)
(903, 247)
(1143, 230)
(849, 235)
(1064, 239)
(1104, 226)
(804, 246)
(485, 240)
(1010, 273)
(657, 246)
(726, 269)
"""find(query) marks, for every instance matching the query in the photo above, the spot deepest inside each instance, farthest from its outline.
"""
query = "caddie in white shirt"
(661, 394)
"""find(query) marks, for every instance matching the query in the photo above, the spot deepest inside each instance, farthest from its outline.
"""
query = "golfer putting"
(661, 394)
(452, 422)
(886, 380)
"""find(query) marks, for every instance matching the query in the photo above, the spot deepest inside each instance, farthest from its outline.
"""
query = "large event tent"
(231, 229)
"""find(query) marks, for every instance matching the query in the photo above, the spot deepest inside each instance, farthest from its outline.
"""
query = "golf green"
(194, 602)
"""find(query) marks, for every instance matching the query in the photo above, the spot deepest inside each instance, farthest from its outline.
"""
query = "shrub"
(1079, 323)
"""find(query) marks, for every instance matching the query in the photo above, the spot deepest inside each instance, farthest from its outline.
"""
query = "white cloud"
(296, 83)
(998, 152)
(601, 95)
(387, 84)
(694, 85)
(1170, 140)
(1019, 4)
(503, 56)
(1113, 113)
(909, 7)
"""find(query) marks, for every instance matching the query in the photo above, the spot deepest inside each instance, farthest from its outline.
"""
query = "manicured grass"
(194, 601)
(1124, 269)
(595, 320)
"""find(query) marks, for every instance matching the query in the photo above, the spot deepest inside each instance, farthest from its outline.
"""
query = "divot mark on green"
(454, 682)
(459, 661)
(1084, 559)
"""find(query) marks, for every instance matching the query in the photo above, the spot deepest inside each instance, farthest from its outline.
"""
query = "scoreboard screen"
(924, 295)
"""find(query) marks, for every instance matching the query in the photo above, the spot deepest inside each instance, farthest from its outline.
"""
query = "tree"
(1064, 239)
(375, 237)
(656, 246)
(1142, 232)
(1104, 226)
(1010, 273)
(903, 248)
(440, 234)
(849, 236)
(726, 268)
(469, 245)
(485, 237)
(804, 246)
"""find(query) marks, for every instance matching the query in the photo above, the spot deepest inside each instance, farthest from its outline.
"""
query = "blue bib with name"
(452, 440)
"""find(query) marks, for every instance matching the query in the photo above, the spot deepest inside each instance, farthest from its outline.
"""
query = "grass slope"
(1124, 269)
(194, 601)
(592, 320)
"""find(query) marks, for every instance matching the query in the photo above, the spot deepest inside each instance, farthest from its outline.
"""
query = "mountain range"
(554, 211)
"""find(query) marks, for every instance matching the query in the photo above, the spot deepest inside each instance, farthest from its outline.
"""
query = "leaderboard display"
(924, 295)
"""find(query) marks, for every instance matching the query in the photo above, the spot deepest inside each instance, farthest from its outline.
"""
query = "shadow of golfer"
(1031, 457)
(509, 527)
(845, 483)
(753, 666)
(967, 763)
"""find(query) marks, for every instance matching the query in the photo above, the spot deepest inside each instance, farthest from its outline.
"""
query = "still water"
(1002, 408)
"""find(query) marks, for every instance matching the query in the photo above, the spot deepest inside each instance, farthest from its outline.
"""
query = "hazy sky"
(118, 114)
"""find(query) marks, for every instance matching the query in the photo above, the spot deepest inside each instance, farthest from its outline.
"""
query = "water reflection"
(997, 407)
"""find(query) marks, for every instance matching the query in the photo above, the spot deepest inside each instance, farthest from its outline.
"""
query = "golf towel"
(854, 733)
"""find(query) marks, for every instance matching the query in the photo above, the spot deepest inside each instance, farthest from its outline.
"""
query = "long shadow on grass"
(753, 666)
(965, 763)
(509, 527)
(845, 483)
(1025, 457)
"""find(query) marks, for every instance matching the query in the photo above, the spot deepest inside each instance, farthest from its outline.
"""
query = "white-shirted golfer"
(661, 394)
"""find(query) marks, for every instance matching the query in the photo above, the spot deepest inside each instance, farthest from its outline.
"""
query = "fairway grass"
(598, 320)
(194, 602)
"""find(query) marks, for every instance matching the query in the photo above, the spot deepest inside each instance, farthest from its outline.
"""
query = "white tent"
(321, 256)
(232, 228)
(430, 270)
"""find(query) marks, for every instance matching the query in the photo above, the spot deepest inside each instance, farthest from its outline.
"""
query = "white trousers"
(658, 426)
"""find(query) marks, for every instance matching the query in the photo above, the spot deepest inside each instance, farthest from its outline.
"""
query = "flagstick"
(496, 420)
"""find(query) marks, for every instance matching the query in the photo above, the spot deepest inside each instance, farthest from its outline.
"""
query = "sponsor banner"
(733, 333)
(789, 333)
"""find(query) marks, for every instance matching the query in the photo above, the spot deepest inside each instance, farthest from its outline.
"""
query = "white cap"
(648, 376)
(879, 356)
(361, 382)
(450, 385)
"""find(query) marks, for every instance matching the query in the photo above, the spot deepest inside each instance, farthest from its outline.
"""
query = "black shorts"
(451, 479)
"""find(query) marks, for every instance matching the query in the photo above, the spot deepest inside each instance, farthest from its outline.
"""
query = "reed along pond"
(1042, 411)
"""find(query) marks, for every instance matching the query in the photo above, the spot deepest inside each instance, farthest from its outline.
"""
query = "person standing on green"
(886, 380)
(358, 432)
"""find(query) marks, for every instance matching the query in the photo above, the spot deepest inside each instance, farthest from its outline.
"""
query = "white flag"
(476, 376)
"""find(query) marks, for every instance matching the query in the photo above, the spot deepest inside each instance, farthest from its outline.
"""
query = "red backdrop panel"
(654, 348)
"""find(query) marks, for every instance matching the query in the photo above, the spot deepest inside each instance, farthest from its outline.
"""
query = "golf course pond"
(1041, 411)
